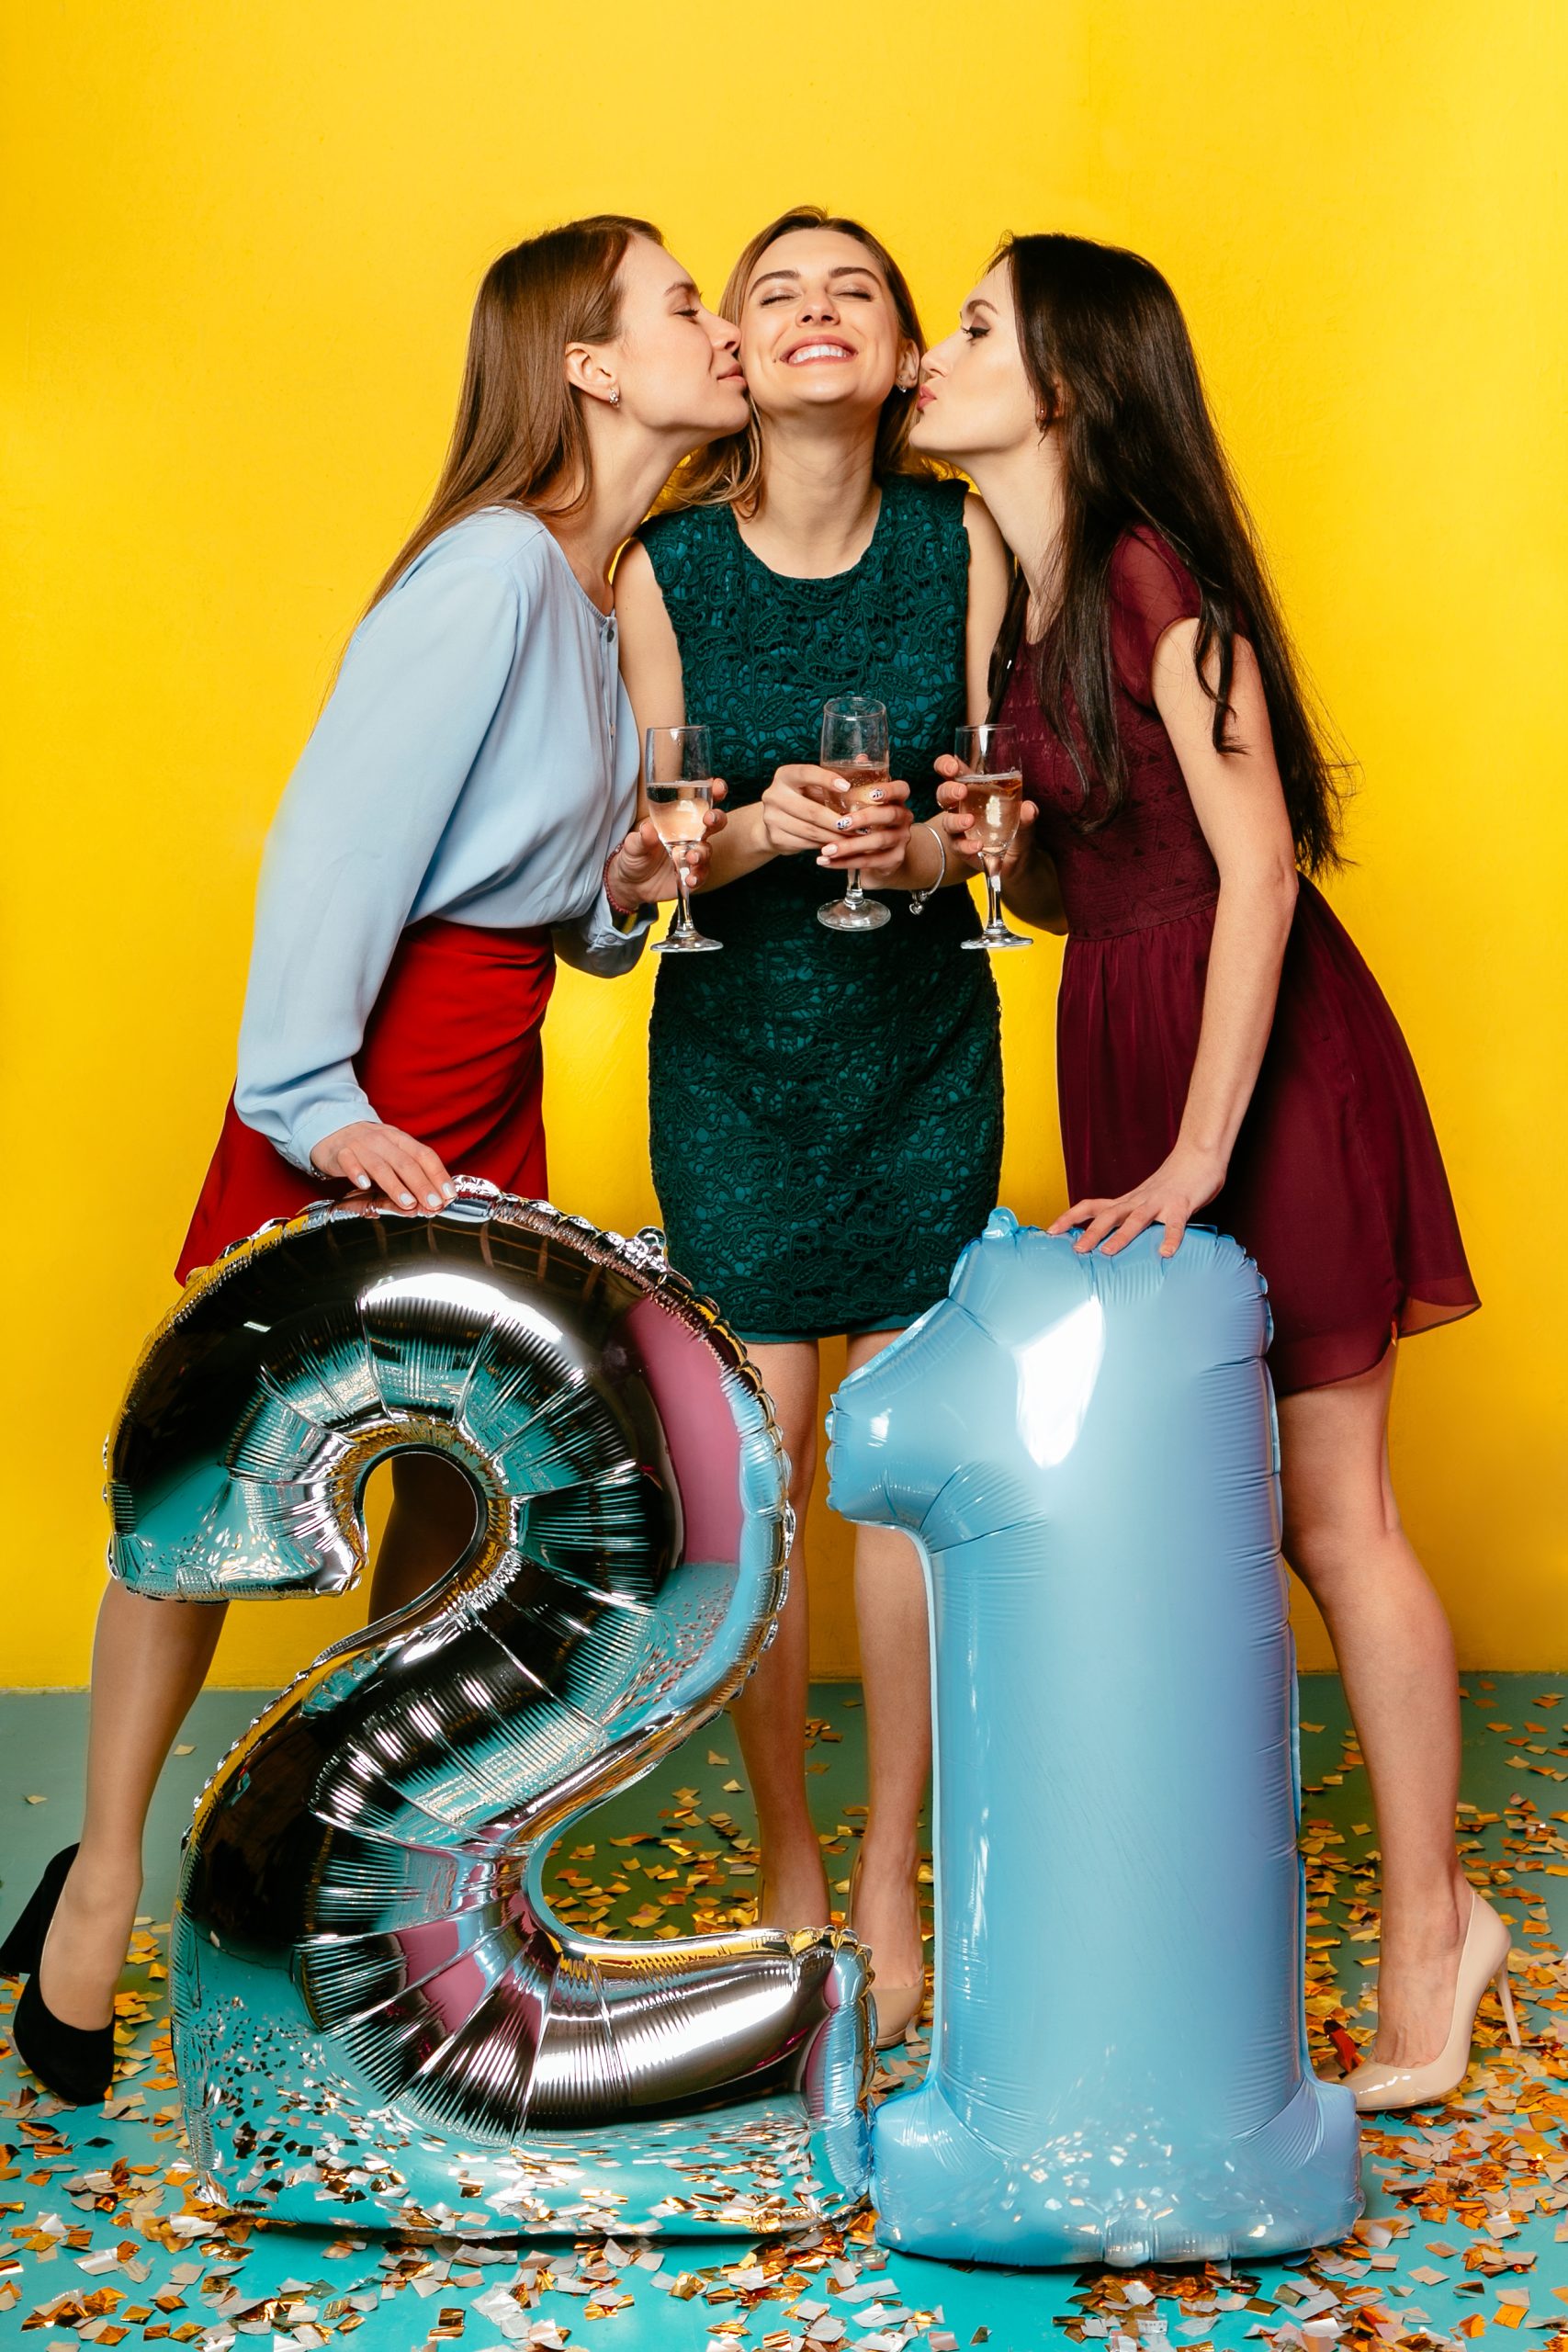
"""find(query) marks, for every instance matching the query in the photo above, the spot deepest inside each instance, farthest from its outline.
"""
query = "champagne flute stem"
(852, 894)
(684, 920)
(993, 901)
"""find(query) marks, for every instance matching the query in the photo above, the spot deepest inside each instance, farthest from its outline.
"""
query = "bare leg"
(150, 1659)
(429, 1527)
(1344, 1539)
(895, 1648)
(770, 1714)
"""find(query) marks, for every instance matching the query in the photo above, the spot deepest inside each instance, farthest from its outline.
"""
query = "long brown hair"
(1114, 373)
(520, 439)
(728, 472)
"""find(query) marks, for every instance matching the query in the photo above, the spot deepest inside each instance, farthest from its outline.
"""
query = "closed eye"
(844, 294)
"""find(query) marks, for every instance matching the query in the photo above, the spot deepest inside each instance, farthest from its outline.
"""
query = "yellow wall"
(241, 245)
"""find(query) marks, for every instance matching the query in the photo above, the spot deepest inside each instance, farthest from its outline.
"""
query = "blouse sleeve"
(599, 943)
(1150, 589)
(355, 832)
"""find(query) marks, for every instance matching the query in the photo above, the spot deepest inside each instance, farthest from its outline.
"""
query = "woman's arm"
(651, 667)
(1241, 807)
(928, 862)
(348, 850)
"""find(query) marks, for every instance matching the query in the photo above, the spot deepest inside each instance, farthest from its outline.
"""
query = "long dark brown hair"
(520, 439)
(1114, 373)
(729, 473)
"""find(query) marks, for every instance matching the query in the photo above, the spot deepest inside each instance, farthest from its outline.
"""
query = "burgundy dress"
(1336, 1186)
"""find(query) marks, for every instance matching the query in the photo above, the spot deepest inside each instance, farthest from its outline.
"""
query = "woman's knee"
(802, 1452)
(1320, 1555)
(1335, 1542)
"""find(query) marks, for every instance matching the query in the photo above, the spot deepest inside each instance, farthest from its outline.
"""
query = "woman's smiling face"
(818, 329)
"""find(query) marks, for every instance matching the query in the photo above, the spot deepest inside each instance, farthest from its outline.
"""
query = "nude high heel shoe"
(1483, 1960)
(897, 2005)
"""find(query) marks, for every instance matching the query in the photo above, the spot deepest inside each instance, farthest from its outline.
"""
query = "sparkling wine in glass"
(993, 788)
(678, 779)
(854, 746)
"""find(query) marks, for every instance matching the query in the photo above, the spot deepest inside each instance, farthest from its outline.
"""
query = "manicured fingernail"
(406, 1200)
(844, 824)
(450, 1191)
(432, 1200)
(363, 1183)
(879, 795)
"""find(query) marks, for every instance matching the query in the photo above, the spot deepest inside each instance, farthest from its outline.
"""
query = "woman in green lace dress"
(826, 1107)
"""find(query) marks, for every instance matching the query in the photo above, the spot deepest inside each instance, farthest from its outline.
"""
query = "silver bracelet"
(917, 898)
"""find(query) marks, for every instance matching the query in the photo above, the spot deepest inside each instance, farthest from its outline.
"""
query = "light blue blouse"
(477, 760)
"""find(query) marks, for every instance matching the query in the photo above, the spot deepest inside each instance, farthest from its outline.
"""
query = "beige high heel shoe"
(1483, 1960)
(897, 2005)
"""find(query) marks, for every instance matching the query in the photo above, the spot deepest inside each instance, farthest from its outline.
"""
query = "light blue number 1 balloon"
(1083, 1449)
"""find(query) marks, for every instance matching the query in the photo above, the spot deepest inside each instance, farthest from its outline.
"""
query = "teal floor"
(1467, 2207)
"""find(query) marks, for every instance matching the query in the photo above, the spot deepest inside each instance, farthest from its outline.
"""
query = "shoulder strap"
(678, 544)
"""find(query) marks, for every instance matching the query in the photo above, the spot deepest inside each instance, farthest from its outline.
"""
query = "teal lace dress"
(825, 1108)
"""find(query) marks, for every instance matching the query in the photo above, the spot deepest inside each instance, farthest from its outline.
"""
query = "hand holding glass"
(855, 745)
(678, 779)
(993, 794)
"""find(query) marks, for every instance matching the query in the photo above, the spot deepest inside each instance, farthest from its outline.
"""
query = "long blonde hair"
(520, 439)
(729, 473)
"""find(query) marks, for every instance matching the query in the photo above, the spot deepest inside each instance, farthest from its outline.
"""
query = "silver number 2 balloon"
(1081, 1447)
(377, 2018)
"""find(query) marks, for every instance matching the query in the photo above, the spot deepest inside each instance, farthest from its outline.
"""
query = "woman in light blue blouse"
(463, 812)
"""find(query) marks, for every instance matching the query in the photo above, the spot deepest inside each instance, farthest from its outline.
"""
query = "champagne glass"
(678, 779)
(993, 786)
(855, 745)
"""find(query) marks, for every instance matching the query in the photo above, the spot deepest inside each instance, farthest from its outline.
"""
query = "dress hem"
(1289, 1374)
(833, 1331)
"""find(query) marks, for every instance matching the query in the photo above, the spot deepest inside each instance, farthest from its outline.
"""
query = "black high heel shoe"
(75, 2063)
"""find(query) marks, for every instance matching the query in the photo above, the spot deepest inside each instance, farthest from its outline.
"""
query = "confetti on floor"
(105, 2240)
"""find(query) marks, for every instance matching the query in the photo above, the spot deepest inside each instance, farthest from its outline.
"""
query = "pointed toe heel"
(1483, 1960)
(895, 2006)
(23, 1948)
(1506, 1997)
(76, 2062)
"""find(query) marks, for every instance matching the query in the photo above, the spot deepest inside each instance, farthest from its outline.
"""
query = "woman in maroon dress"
(1221, 1047)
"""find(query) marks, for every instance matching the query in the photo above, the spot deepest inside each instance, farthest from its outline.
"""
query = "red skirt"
(451, 1055)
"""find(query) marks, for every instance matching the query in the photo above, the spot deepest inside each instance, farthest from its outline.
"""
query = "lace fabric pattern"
(826, 1109)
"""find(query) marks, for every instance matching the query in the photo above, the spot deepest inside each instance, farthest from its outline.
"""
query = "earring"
(615, 396)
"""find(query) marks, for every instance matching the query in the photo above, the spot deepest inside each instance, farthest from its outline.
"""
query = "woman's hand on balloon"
(1179, 1186)
(394, 1168)
(640, 871)
(963, 837)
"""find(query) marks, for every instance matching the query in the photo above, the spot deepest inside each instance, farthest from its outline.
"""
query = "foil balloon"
(376, 2016)
(1082, 1449)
